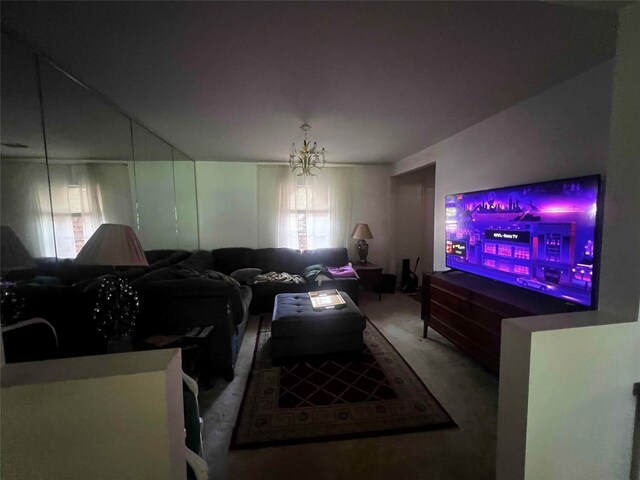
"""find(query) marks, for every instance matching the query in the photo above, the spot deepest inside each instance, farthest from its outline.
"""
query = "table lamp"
(117, 303)
(13, 256)
(360, 233)
(112, 244)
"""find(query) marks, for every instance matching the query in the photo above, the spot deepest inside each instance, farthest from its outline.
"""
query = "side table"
(370, 275)
(194, 343)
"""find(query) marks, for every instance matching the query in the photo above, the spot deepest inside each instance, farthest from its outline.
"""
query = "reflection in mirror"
(26, 206)
(155, 193)
(186, 202)
(89, 151)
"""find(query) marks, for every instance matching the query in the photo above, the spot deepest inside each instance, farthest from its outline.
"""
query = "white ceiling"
(377, 81)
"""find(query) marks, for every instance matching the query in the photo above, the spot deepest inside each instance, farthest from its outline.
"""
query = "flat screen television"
(539, 236)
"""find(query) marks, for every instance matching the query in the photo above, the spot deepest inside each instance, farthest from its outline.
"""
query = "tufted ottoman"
(297, 329)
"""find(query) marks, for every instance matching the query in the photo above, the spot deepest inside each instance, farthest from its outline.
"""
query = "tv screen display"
(540, 236)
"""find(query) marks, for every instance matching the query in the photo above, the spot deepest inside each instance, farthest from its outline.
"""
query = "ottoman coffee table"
(297, 329)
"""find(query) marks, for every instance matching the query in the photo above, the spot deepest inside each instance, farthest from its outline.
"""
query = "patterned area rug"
(333, 397)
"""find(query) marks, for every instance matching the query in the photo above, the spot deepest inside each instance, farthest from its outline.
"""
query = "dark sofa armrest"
(191, 302)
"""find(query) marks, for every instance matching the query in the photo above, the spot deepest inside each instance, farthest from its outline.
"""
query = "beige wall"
(620, 278)
(102, 417)
(562, 132)
(412, 218)
(229, 212)
(371, 197)
(227, 204)
(566, 407)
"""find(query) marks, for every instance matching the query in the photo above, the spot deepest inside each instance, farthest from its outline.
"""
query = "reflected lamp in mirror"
(117, 304)
(112, 244)
(362, 233)
(13, 254)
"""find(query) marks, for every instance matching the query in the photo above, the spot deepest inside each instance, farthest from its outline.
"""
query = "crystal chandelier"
(306, 158)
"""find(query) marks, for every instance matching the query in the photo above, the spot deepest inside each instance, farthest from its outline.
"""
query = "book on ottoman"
(326, 299)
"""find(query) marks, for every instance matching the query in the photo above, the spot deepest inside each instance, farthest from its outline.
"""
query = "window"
(304, 212)
(309, 216)
(76, 216)
(68, 220)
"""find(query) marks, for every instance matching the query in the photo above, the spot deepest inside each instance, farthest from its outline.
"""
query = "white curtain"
(270, 178)
(77, 206)
(25, 204)
(304, 212)
(339, 180)
(84, 196)
(88, 194)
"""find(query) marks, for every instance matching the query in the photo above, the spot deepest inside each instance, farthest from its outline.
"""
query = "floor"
(465, 390)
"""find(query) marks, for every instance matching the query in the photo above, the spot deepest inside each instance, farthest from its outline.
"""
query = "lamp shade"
(112, 244)
(13, 254)
(361, 232)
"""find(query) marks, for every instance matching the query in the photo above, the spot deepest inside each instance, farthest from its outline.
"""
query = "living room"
(558, 124)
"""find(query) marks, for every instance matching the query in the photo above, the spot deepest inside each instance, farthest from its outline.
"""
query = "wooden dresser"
(468, 310)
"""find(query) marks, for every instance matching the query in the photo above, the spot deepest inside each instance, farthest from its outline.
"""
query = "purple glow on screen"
(539, 236)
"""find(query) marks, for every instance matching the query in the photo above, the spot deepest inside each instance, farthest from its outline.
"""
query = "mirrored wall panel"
(155, 193)
(72, 161)
(25, 205)
(186, 201)
(89, 150)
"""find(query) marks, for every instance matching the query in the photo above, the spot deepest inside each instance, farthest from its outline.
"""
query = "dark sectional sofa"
(193, 293)
(64, 294)
(178, 290)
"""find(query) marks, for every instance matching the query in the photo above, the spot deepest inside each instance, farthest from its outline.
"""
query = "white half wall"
(566, 408)
(101, 417)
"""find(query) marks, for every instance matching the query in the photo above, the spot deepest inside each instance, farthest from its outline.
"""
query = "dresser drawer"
(469, 311)
(466, 327)
(450, 299)
(484, 318)
(489, 358)
(499, 308)
(441, 285)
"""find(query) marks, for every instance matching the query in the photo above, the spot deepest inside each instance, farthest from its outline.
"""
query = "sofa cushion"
(331, 257)
(317, 271)
(200, 260)
(245, 276)
(166, 273)
(164, 258)
(278, 260)
(227, 260)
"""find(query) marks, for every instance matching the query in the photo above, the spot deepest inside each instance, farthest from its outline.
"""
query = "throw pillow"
(312, 272)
